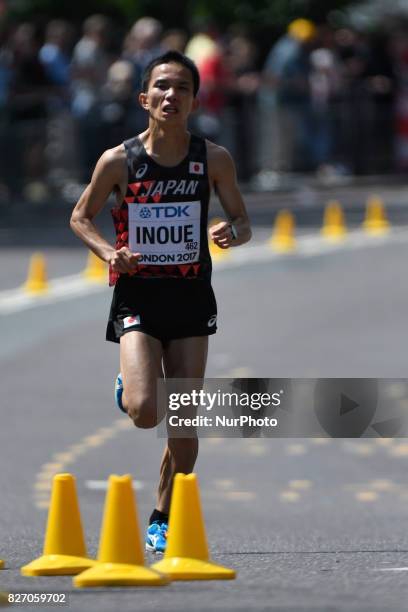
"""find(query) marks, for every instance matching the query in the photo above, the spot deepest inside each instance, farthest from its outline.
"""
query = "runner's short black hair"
(168, 58)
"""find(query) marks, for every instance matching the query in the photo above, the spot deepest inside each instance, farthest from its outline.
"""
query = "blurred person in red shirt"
(207, 52)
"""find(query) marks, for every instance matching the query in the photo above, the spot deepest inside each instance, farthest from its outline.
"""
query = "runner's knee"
(142, 412)
(182, 448)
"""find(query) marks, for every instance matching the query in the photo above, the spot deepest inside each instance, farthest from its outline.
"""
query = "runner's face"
(169, 96)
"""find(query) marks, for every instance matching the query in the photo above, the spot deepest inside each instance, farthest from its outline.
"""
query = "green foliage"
(181, 13)
(261, 13)
(39, 10)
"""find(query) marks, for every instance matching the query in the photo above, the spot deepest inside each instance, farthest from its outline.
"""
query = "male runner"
(163, 306)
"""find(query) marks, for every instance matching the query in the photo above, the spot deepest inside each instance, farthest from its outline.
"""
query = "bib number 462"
(191, 245)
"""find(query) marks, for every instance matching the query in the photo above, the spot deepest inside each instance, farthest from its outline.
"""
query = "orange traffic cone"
(120, 555)
(64, 544)
(1, 564)
(186, 556)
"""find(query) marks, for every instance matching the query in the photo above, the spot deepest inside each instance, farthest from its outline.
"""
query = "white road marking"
(239, 495)
(67, 287)
(312, 245)
(102, 485)
(391, 569)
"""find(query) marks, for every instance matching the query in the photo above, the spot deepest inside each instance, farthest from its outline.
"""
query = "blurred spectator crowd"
(320, 100)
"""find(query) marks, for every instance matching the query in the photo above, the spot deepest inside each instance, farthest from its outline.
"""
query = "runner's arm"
(106, 178)
(223, 175)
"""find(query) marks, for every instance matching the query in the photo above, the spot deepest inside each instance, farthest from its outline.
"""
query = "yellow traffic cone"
(283, 238)
(334, 228)
(217, 254)
(37, 282)
(120, 555)
(64, 545)
(4, 599)
(186, 556)
(1, 564)
(96, 269)
(375, 221)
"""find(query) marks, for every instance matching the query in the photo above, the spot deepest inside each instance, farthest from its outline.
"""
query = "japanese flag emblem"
(196, 167)
(131, 321)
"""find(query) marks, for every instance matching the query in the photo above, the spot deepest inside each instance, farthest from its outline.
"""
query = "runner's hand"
(124, 261)
(221, 234)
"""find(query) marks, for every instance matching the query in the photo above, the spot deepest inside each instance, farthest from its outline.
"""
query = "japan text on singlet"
(164, 215)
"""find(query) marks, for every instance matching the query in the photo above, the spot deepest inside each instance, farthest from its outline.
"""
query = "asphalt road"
(309, 524)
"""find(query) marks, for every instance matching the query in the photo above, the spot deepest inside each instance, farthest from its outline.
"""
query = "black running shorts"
(166, 309)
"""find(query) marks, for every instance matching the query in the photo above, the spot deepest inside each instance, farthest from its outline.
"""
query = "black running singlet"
(164, 215)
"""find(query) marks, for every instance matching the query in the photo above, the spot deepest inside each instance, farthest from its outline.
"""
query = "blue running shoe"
(119, 392)
(156, 537)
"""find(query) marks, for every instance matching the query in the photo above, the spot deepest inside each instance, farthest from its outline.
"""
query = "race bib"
(165, 233)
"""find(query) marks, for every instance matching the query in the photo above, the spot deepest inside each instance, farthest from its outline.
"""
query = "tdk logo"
(165, 212)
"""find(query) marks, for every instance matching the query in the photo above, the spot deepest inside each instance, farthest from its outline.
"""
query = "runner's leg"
(183, 358)
(140, 365)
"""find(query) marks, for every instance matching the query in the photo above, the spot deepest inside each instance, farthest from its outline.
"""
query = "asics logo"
(212, 321)
(154, 539)
(141, 171)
